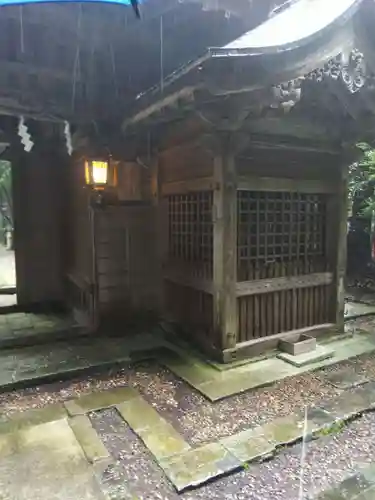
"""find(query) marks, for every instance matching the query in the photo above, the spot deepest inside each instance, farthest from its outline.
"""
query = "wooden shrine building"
(224, 201)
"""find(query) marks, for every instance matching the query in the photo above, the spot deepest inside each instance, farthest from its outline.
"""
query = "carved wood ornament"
(349, 68)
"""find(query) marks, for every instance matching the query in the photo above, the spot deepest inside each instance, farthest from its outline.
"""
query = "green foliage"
(362, 179)
(335, 428)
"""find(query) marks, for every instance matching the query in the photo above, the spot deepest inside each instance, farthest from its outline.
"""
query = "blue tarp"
(23, 2)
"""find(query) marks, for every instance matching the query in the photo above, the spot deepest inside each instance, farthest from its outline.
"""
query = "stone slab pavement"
(60, 455)
(216, 384)
(359, 486)
(46, 462)
(20, 329)
(356, 309)
(65, 359)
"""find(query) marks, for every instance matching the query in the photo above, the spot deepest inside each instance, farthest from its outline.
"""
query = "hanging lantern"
(100, 173)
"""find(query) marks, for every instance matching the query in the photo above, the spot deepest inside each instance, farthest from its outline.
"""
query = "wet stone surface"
(31, 418)
(163, 441)
(18, 327)
(88, 439)
(45, 462)
(218, 384)
(368, 393)
(187, 467)
(345, 379)
(195, 373)
(158, 435)
(135, 474)
(319, 354)
(65, 358)
(249, 445)
(198, 466)
(135, 465)
(354, 485)
(347, 405)
(353, 309)
(329, 460)
(283, 431)
(200, 421)
(359, 486)
(317, 419)
(99, 400)
(139, 414)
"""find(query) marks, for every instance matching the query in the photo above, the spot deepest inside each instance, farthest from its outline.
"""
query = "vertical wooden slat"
(225, 243)
(269, 307)
(276, 311)
(243, 317)
(263, 315)
(256, 322)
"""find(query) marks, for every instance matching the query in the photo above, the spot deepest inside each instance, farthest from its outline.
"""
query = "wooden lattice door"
(283, 272)
(189, 259)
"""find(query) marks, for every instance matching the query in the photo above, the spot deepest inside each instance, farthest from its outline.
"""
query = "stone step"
(217, 384)
(359, 486)
(188, 468)
(64, 360)
(87, 437)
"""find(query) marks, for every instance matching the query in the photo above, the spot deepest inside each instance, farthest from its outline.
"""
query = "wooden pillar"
(39, 198)
(341, 252)
(225, 243)
(161, 231)
(336, 237)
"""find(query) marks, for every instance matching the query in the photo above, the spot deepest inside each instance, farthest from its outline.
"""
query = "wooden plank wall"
(189, 169)
(115, 245)
(183, 163)
(40, 180)
(186, 186)
(79, 279)
(80, 264)
(126, 257)
(288, 164)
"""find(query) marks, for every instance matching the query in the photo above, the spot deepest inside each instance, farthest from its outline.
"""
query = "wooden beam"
(225, 243)
(257, 287)
(157, 107)
(251, 183)
(189, 281)
(188, 186)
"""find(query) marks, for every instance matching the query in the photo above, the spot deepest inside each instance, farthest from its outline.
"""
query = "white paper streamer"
(68, 138)
(24, 135)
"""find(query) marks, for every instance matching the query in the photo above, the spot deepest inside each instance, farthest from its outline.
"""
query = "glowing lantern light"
(96, 173)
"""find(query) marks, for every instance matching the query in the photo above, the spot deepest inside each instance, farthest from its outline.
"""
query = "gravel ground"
(197, 419)
(328, 461)
(201, 421)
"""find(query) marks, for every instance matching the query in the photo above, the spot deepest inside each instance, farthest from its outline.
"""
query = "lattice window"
(191, 228)
(280, 228)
